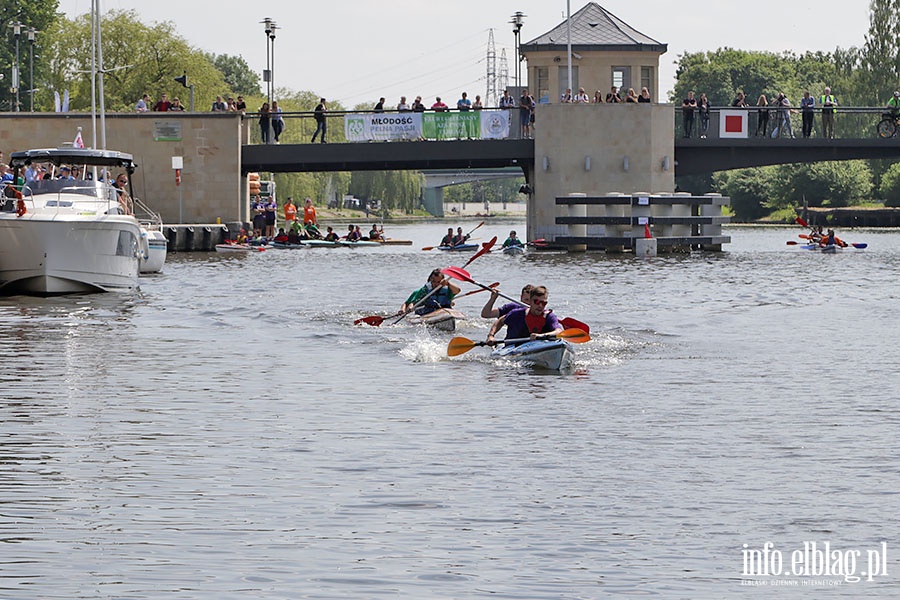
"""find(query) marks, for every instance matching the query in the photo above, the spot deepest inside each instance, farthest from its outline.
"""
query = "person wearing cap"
(65, 173)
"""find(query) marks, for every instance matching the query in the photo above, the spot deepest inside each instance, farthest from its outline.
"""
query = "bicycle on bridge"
(889, 125)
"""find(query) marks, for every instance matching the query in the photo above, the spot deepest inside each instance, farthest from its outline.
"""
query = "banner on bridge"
(480, 124)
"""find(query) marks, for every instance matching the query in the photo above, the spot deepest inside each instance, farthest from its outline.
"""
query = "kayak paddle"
(485, 248)
(461, 345)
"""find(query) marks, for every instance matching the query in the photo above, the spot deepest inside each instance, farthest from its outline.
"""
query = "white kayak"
(443, 318)
(514, 250)
(554, 355)
(239, 248)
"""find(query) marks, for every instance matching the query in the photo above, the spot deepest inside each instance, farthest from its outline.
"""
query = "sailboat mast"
(94, 73)
(100, 74)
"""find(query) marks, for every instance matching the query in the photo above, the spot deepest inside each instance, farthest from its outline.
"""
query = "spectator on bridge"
(525, 110)
(402, 106)
(163, 104)
(740, 101)
(630, 96)
(464, 104)
(687, 109)
(566, 97)
(277, 120)
(417, 105)
(828, 103)
(176, 105)
(598, 97)
(893, 105)
(507, 101)
(219, 105)
(762, 108)
(613, 95)
(265, 122)
(241, 105)
(478, 104)
(142, 104)
(379, 108)
(232, 105)
(807, 106)
(703, 106)
(321, 126)
(645, 95)
(438, 105)
(784, 117)
(581, 97)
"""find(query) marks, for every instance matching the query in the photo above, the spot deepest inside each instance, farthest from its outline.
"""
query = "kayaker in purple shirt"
(489, 312)
(534, 322)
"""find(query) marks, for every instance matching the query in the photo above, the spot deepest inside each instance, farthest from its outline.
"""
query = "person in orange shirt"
(290, 213)
(309, 213)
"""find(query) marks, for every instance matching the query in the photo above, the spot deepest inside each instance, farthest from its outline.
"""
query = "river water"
(227, 432)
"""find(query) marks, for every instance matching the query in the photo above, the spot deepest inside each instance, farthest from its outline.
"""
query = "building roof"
(595, 28)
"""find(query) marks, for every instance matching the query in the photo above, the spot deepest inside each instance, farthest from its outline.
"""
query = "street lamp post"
(17, 32)
(31, 31)
(518, 19)
(270, 28)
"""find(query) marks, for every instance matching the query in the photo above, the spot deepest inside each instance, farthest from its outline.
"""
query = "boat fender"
(145, 245)
(20, 206)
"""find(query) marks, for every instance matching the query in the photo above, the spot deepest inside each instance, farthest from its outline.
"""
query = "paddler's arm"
(552, 321)
(454, 289)
(488, 311)
(497, 326)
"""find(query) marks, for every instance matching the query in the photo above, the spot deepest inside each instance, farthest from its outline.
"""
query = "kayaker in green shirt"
(442, 298)
(512, 240)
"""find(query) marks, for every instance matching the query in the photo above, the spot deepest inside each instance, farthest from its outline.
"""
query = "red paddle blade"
(570, 323)
(791, 243)
(801, 222)
(485, 248)
(457, 273)
(373, 320)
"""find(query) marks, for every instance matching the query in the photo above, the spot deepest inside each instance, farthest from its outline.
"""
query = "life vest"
(440, 299)
(534, 323)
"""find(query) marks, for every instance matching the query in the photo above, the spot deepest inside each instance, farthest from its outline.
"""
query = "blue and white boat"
(553, 355)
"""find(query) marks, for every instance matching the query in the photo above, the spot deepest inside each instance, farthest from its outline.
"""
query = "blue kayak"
(459, 248)
(554, 355)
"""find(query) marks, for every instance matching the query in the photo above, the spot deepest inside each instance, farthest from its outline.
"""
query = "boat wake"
(424, 349)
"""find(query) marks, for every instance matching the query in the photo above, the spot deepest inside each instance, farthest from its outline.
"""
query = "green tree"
(237, 73)
(137, 58)
(750, 191)
(889, 189)
(881, 56)
(39, 15)
(831, 183)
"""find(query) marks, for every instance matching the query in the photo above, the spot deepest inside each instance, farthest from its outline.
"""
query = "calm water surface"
(228, 433)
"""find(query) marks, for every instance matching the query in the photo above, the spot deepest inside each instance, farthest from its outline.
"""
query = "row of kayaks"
(309, 244)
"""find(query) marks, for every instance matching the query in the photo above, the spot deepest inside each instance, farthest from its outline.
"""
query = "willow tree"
(137, 59)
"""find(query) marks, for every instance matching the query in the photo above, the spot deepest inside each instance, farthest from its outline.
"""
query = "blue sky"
(357, 50)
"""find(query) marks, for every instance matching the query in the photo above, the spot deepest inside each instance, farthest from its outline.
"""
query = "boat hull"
(443, 319)
(553, 355)
(49, 254)
(459, 248)
(514, 250)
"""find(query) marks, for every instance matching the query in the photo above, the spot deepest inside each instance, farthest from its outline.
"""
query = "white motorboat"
(63, 236)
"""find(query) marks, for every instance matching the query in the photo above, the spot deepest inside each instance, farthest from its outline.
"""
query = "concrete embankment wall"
(210, 144)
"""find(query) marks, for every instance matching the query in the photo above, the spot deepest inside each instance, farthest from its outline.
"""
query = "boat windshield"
(95, 190)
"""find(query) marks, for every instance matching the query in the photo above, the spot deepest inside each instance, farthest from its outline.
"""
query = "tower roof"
(595, 28)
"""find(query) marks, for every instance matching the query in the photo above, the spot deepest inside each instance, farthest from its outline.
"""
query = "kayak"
(554, 355)
(514, 250)
(459, 248)
(443, 319)
(287, 246)
(339, 243)
(239, 248)
(393, 242)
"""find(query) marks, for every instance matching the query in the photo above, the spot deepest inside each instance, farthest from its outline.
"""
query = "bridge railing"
(854, 122)
(365, 126)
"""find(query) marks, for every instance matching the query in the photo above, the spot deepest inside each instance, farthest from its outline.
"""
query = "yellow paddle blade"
(574, 335)
(460, 345)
